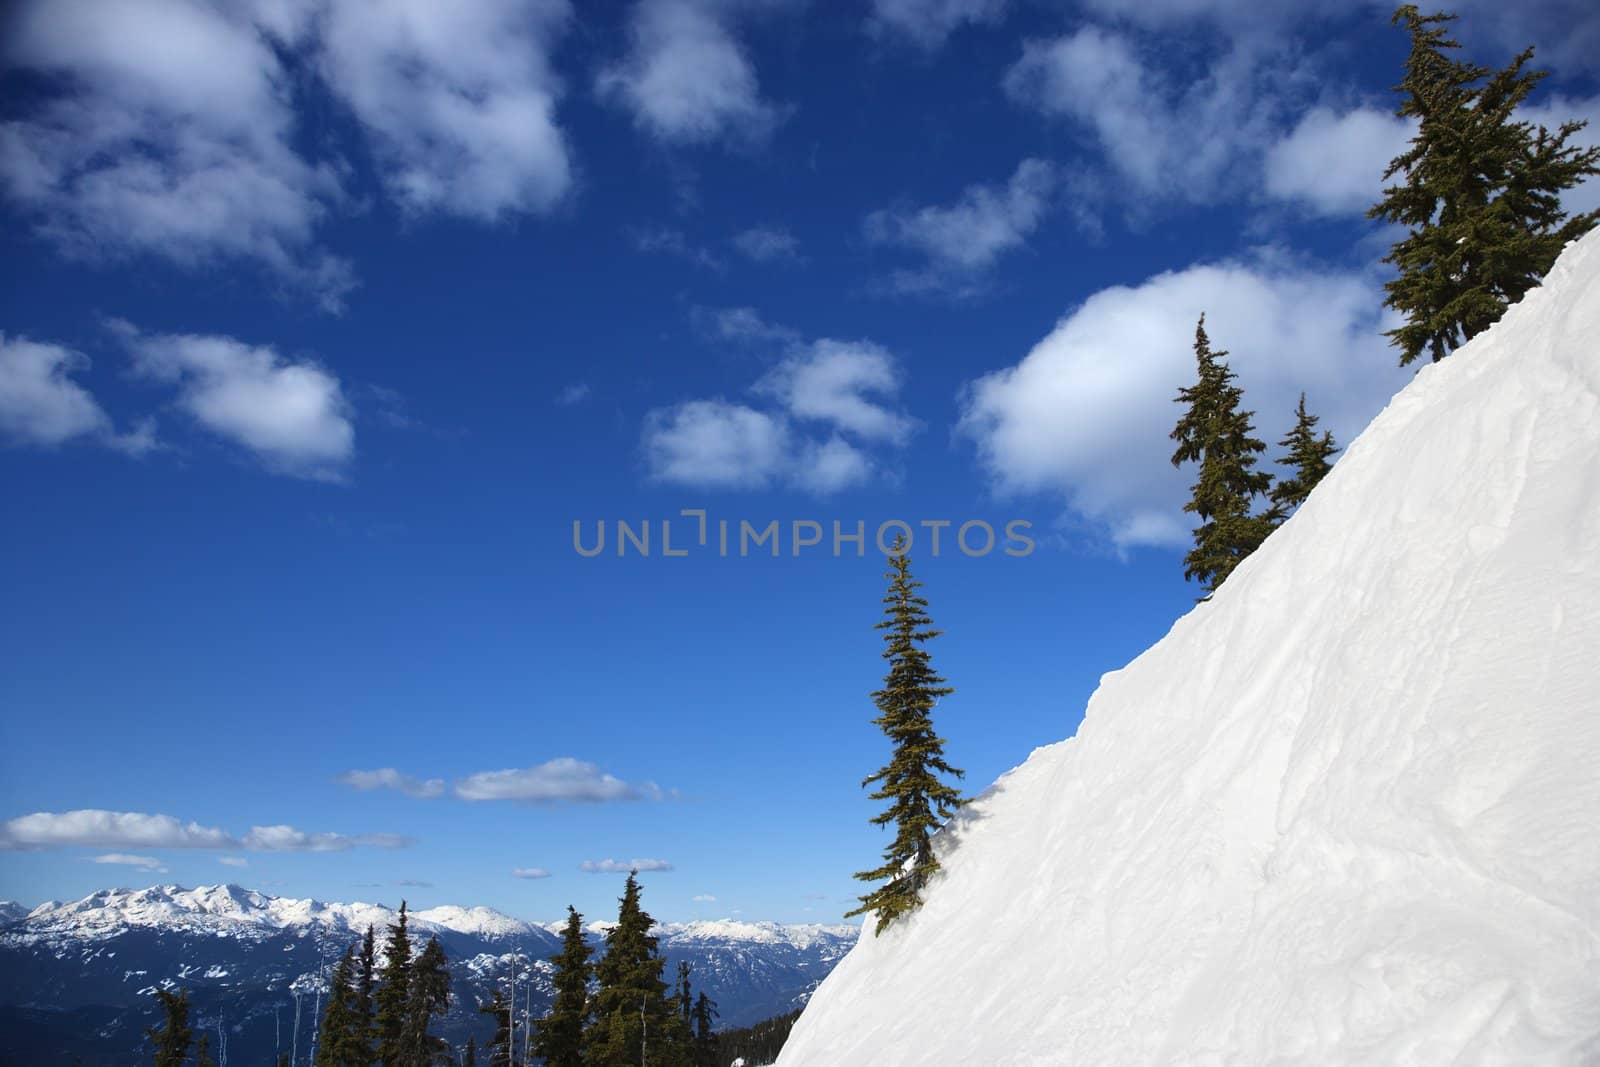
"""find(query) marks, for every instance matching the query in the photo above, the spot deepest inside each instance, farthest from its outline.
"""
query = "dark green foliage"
(202, 1052)
(756, 1044)
(1214, 432)
(429, 995)
(1308, 456)
(630, 1006)
(1479, 193)
(918, 799)
(366, 977)
(470, 1057)
(394, 992)
(500, 1045)
(172, 1041)
(558, 1037)
(704, 1016)
(342, 1037)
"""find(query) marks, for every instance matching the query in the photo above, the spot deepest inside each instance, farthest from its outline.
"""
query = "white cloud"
(686, 79)
(149, 863)
(576, 393)
(96, 828)
(716, 444)
(1086, 413)
(966, 238)
(530, 873)
(458, 97)
(928, 23)
(291, 415)
(744, 324)
(168, 132)
(766, 244)
(233, 861)
(41, 405)
(704, 898)
(834, 381)
(559, 780)
(620, 867)
(389, 778)
(1334, 163)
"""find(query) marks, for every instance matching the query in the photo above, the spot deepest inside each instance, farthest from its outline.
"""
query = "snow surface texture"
(1348, 812)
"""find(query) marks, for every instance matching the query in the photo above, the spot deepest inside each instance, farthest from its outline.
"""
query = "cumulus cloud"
(530, 873)
(686, 79)
(389, 778)
(96, 828)
(1333, 163)
(41, 405)
(766, 244)
(929, 23)
(961, 240)
(1085, 414)
(620, 867)
(562, 780)
(292, 415)
(844, 389)
(149, 863)
(459, 99)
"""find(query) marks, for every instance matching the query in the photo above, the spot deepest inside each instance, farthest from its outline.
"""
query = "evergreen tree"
(429, 983)
(911, 780)
(470, 1057)
(558, 1037)
(1214, 432)
(366, 978)
(1479, 193)
(173, 1040)
(394, 993)
(342, 1037)
(705, 1038)
(630, 1006)
(202, 1052)
(500, 1045)
(1308, 455)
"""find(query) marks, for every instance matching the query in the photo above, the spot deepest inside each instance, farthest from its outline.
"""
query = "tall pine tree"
(630, 1005)
(394, 992)
(918, 798)
(172, 1041)
(500, 1045)
(342, 1037)
(202, 1052)
(1214, 432)
(1479, 193)
(428, 995)
(367, 976)
(705, 1038)
(1308, 456)
(558, 1037)
(470, 1057)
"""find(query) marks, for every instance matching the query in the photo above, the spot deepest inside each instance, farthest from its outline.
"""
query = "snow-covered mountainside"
(78, 977)
(1347, 812)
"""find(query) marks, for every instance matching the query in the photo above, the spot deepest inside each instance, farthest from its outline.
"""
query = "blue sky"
(323, 323)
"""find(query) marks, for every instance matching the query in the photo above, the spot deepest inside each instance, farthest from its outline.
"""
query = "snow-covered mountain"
(77, 978)
(1346, 812)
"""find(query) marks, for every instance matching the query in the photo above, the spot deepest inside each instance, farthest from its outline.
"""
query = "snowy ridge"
(1346, 812)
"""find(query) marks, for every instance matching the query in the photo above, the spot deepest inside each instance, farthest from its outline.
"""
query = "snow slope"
(1348, 812)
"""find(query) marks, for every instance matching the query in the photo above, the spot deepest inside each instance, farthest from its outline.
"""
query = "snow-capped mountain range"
(77, 977)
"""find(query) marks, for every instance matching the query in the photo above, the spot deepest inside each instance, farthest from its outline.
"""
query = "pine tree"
(429, 995)
(705, 1038)
(630, 1006)
(911, 780)
(394, 993)
(1215, 433)
(366, 978)
(500, 1045)
(558, 1037)
(202, 1052)
(173, 1040)
(342, 1037)
(470, 1057)
(1308, 455)
(1479, 193)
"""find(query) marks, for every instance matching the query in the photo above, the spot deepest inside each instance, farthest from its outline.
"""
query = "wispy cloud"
(669, 242)
(768, 244)
(413, 883)
(704, 898)
(149, 863)
(97, 828)
(620, 867)
(562, 780)
(389, 778)
(576, 393)
(928, 23)
(233, 861)
(531, 873)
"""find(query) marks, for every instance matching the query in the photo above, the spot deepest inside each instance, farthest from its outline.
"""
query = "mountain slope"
(1347, 812)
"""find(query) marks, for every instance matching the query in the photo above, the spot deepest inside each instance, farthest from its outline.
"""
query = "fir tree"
(394, 993)
(1479, 193)
(202, 1052)
(173, 1040)
(342, 1037)
(470, 1057)
(1215, 433)
(705, 1038)
(911, 780)
(366, 978)
(500, 1044)
(1308, 455)
(558, 1037)
(630, 1006)
(429, 995)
